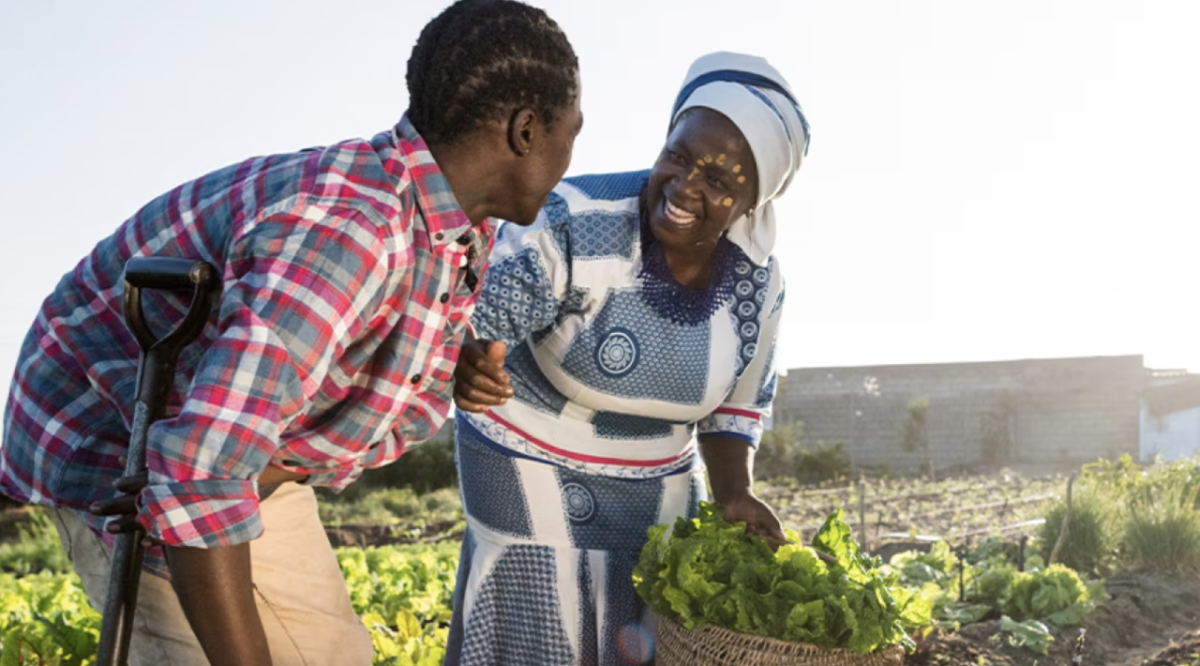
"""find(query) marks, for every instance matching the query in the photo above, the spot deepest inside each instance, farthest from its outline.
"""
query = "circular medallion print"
(581, 506)
(618, 353)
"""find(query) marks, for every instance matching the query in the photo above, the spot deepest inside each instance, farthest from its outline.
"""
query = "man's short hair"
(481, 58)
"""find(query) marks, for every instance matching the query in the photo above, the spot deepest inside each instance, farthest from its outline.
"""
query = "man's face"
(546, 163)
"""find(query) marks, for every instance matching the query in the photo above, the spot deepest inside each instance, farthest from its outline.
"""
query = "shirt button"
(463, 240)
(439, 235)
(445, 298)
(416, 379)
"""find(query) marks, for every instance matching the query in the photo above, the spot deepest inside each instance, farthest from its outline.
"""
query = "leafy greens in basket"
(712, 571)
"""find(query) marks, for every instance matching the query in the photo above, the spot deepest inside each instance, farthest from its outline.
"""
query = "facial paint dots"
(695, 172)
(737, 168)
(708, 159)
(728, 201)
(721, 159)
(741, 179)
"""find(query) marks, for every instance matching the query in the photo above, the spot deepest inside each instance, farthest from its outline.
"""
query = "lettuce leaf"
(708, 570)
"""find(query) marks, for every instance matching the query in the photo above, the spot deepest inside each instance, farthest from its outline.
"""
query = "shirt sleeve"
(298, 288)
(749, 402)
(527, 281)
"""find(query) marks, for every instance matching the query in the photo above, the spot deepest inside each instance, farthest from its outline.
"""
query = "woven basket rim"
(893, 652)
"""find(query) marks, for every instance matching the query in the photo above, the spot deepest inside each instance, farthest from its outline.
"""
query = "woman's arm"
(730, 463)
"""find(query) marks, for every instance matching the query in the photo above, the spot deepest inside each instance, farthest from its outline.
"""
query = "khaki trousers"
(301, 594)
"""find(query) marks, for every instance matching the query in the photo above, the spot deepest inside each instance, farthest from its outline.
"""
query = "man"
(349, 275)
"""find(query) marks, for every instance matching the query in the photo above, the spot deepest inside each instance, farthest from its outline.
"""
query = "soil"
(1151, 620)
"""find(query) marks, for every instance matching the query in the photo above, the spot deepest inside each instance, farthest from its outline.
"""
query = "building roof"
(1177, 396)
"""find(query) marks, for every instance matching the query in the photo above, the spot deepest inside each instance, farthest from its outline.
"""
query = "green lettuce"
(709, 571)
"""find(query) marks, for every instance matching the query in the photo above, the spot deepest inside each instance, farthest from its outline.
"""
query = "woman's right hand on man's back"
(480, 381)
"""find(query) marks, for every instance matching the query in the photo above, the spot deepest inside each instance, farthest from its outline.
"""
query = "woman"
(638, 315)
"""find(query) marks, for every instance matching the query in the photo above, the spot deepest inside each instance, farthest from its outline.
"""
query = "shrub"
(776, 455)
(824, 463)
(782, 453)
(1090, 535)
(392, 506)
(36, 549)
(424, 468)
(1162, 530)
(1120, 476)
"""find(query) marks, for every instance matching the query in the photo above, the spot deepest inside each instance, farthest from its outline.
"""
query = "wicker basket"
(714, 646)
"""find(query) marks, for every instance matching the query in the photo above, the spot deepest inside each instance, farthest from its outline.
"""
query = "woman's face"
(703, 181)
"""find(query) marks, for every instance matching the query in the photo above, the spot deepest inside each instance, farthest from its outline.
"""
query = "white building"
(1170, 428)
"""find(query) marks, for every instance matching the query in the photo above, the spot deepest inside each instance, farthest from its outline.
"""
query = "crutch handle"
(170, 273)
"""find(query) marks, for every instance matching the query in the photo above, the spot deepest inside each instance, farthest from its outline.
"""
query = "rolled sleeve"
(299, 287)
(202, 514)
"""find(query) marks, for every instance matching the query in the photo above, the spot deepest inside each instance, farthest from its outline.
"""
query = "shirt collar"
(435, 200)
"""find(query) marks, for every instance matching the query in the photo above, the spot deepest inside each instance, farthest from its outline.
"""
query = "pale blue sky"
(987, 180)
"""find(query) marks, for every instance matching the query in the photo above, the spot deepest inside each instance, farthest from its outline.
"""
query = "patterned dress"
(617, 370)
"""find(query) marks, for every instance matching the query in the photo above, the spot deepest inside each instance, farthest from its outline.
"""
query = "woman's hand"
(480, 381)
(730, 463)
(760, 519)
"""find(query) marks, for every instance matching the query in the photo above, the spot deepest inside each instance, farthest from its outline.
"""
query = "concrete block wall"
(1056, 411)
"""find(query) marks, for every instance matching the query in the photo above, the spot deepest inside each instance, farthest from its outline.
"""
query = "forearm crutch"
(156, 375)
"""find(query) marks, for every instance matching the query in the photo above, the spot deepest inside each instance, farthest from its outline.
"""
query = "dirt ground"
(1151, 620)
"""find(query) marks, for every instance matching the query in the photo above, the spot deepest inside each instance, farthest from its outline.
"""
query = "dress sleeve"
(527, 280)
(749, 402)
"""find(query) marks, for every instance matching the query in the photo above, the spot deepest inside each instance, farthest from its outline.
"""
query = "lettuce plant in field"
(711, 571)
(995, 588)
(404, 596)
(45, 620)
(1030, 633)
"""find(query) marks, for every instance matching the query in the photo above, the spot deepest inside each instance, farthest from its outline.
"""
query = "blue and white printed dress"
(616, 370)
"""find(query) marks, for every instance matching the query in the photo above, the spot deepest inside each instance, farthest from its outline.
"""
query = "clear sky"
(987, 180)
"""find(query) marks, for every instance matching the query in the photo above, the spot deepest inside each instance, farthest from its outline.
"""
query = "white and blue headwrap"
(756, 97)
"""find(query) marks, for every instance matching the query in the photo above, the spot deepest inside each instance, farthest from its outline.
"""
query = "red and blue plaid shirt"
(331, 348)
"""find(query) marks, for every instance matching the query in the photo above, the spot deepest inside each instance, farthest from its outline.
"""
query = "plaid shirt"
(331, 348)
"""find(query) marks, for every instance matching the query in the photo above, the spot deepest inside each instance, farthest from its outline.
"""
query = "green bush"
(392, 506)
(424, 468)
(37, 547)
(1118, 477)
(1090, 538)
(776, 454)
(1162, 530)
(782, 453)
(823, 463)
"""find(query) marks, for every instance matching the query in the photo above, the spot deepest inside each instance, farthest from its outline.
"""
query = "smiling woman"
(705, 179)
(638, 314)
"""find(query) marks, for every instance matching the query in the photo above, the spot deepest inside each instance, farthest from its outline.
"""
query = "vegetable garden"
(970, 570)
